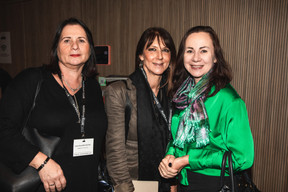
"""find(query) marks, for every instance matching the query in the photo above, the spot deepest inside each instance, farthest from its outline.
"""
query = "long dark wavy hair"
(221, 73)
(147, 37)
(89, 69)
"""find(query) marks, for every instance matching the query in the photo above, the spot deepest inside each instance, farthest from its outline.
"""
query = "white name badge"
(82, 147)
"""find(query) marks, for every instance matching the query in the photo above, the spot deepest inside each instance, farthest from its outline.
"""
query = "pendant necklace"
(74, 90)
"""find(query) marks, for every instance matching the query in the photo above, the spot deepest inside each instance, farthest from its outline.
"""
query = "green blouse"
(230, 130)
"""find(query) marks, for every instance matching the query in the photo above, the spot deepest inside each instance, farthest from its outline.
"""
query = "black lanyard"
(81, 119)
(158, 104)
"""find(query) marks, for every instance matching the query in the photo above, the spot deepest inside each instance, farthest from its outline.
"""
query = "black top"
(5, 79)
(53, 115)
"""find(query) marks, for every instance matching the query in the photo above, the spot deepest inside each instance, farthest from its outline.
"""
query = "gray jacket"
(122, 157)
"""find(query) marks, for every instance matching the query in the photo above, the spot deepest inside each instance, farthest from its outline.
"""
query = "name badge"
(83, 147)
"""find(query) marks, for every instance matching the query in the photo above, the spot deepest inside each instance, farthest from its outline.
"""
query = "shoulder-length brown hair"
(89, 69)
(221, 73)
(147, 38)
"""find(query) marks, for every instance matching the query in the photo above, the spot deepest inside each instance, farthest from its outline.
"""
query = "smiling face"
(73, 48)
(156, 58)
(199, 55)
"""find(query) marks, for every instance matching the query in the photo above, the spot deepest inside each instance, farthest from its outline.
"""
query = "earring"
(141, 64)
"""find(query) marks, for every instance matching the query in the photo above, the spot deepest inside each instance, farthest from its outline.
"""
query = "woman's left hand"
(51, 174)
(180, 162)
(52, 177)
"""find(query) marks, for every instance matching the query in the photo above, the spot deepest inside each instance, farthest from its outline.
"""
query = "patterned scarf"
(193, 125)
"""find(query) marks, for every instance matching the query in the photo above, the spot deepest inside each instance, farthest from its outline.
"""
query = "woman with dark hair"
(135, 154)
(69, 105)
(209, 116)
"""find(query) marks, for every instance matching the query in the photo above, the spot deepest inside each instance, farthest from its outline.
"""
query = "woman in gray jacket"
(137, 157)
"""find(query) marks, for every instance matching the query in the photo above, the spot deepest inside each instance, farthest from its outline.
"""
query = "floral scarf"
(193, 125)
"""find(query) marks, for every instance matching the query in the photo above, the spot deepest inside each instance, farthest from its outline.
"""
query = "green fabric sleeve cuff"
(194, 161)
(170, 148)
(201, 159)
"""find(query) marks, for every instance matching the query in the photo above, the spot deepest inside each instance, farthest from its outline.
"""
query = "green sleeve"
(239, 137)
(170, 148)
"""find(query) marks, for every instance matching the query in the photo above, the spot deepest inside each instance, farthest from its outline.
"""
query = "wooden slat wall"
(253, 34)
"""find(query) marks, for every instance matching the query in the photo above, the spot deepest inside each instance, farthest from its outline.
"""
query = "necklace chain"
(74, 90)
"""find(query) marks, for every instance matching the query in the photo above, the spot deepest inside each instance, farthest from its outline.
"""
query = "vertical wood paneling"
(253, 34)
(15, 26)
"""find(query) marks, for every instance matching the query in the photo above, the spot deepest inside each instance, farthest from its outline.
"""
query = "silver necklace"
(74, 90)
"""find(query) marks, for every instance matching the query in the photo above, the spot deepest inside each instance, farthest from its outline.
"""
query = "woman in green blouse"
(209, 116)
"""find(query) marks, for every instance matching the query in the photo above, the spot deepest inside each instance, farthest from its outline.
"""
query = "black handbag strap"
(231, 171)
(35, 96)
(227, 155)
(223, 167)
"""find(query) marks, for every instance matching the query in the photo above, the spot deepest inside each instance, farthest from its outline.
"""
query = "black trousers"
(202, 183)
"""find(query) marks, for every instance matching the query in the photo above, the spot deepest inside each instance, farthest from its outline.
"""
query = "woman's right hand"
(51, 174)
(165, 167)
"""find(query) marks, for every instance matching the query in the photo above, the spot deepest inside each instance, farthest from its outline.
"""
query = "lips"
(75, 55)
(196, 66)
(158, 63)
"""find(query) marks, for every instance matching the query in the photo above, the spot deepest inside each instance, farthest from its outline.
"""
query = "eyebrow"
(70, 37)
(155, 46)
(200, 47)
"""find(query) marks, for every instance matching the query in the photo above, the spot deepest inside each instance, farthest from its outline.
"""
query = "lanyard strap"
(170, 119)
(75, 105)
(158, 103)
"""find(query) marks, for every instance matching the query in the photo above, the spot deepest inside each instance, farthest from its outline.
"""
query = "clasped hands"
(171, 166)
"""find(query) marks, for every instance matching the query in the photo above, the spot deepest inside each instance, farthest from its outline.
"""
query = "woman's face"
(199, 55)
(156, 58)
(73, 47)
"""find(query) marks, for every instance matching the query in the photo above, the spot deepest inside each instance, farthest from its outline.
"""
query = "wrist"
(43, 164)
(185, 160)
(38, 160)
